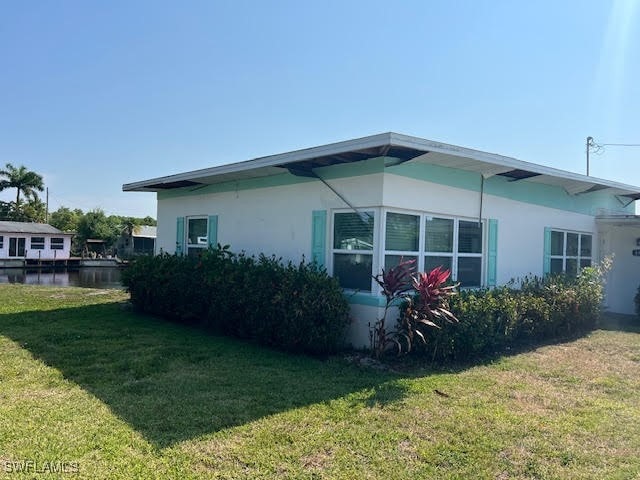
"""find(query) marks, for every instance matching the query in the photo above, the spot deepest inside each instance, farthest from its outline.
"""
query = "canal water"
(88, 277)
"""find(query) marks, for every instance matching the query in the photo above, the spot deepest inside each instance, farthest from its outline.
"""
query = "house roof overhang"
(618, 220)
(401, 147)
(28, 228)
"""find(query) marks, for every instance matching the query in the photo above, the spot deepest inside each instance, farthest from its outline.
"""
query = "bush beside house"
(297, 308)
(540, 310)
(300, 308)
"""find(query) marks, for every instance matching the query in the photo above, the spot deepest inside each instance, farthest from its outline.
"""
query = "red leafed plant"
(423, 300)
(396, 283)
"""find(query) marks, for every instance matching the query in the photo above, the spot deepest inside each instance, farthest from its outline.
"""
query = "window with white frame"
(353, 249)
(570, 251)
(197, 231)
(1, 241)
(37, 243)
(433, 241)
(402, 238)
(57, 243)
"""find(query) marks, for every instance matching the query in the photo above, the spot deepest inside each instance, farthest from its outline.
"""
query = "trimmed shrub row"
(296, 308)
(540, 310)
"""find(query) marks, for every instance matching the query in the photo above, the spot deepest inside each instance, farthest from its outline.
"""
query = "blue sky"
(97, 94)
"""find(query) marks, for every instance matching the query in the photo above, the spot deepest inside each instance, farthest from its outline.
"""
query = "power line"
(598, 148)
(619, 144)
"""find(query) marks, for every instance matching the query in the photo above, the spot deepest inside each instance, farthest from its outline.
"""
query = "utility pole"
(46, 212)
(599, 148)
(589, 145)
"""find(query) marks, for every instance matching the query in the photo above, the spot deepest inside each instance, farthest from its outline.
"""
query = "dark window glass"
(432, 262)
(469, 271)
(469, 237)
(572, 244)
(585, 245)
(393, 260)
(57, 244)
(37, 243)
(572, 266)
(557, 243)
(353, 270)
(556, 265)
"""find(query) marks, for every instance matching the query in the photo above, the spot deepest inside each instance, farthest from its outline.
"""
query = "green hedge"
(495, 320)
(292, 307)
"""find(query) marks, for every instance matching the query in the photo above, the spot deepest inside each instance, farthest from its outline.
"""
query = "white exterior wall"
(277, 220)
(624, 278)
(273, 220)
(520, 225)
(45, 254)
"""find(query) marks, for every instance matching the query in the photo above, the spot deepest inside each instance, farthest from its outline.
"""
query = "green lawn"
(83, 380)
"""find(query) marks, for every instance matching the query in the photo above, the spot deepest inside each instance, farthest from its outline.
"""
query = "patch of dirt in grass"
(407, 450)
(317, 460)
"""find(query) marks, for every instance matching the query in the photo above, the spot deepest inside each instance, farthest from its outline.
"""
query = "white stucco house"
(33, 241)
(359, 205)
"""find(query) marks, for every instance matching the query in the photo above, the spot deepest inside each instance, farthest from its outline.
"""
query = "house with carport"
(361, 205)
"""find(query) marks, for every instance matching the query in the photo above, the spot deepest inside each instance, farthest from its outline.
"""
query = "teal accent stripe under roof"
(365, 167)
(521, 191)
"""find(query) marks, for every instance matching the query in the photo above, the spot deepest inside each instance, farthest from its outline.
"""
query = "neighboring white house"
(360, 205)
(33, 241)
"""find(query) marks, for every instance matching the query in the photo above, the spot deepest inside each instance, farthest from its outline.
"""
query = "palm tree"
(24, 181)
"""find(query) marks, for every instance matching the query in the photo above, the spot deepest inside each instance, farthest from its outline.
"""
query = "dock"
(71, 262)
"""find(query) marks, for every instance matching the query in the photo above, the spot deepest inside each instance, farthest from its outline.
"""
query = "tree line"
(28, 207)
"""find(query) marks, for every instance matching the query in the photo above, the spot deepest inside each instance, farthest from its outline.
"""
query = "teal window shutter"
(492, 256)
(546, 269)
(319, 236)
(180, 236)
(212, 235)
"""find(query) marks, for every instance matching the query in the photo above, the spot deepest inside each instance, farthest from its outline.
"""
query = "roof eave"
(268, 161)
(497, 162)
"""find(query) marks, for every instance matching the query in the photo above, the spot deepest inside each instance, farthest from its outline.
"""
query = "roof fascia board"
(414, 142)
(53, 234)
(379, 140)
(271, 160)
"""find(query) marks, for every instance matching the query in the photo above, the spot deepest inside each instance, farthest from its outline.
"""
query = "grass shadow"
(173, 383)
(619, 322)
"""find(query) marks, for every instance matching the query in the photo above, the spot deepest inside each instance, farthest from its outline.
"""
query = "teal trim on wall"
(180, 235)
(319, 236)
(250, 184)
(521, 191)
(345, 170)
(546, 267)
(492, 253)
(212, 235)
(368, 299)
